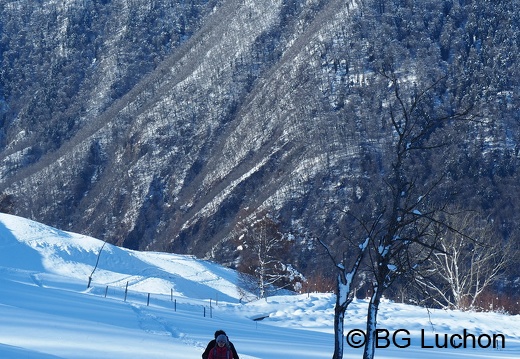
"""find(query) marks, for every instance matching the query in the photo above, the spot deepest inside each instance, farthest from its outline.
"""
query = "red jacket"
(220, 353)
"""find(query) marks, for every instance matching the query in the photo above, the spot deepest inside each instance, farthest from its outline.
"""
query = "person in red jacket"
(213, 343)
(222, 349)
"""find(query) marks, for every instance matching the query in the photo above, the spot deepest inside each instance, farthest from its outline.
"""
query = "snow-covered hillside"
(175, 303)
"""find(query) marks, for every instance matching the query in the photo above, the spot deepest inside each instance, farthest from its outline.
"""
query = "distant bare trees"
(262, 247)
(468, 262)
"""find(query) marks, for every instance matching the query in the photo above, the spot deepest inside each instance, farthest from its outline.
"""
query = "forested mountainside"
(166, 125)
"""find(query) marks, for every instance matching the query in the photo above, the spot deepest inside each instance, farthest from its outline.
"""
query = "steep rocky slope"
(161, 125)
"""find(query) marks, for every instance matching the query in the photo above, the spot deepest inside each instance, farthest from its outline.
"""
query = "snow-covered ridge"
(48, 313)
(74, 256)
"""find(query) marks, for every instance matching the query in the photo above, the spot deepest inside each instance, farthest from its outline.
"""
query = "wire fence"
(203, 306)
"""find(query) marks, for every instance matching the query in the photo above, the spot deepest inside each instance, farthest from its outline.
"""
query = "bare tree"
(406, 228)
(262, 248)
(464, 269)
(347, 270)
(412, 118)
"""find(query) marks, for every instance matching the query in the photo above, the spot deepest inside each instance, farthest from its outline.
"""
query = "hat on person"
(222, 338)
(218, 332)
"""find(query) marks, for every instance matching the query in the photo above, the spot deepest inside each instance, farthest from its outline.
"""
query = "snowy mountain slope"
(71, 255)
(161, 125)
(47, 312)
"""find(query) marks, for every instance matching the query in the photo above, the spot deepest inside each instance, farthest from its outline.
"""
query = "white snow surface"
(175, 303)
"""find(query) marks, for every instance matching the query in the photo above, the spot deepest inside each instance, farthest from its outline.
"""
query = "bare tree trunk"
(344, 296)
(339, 317)
(373, 308)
